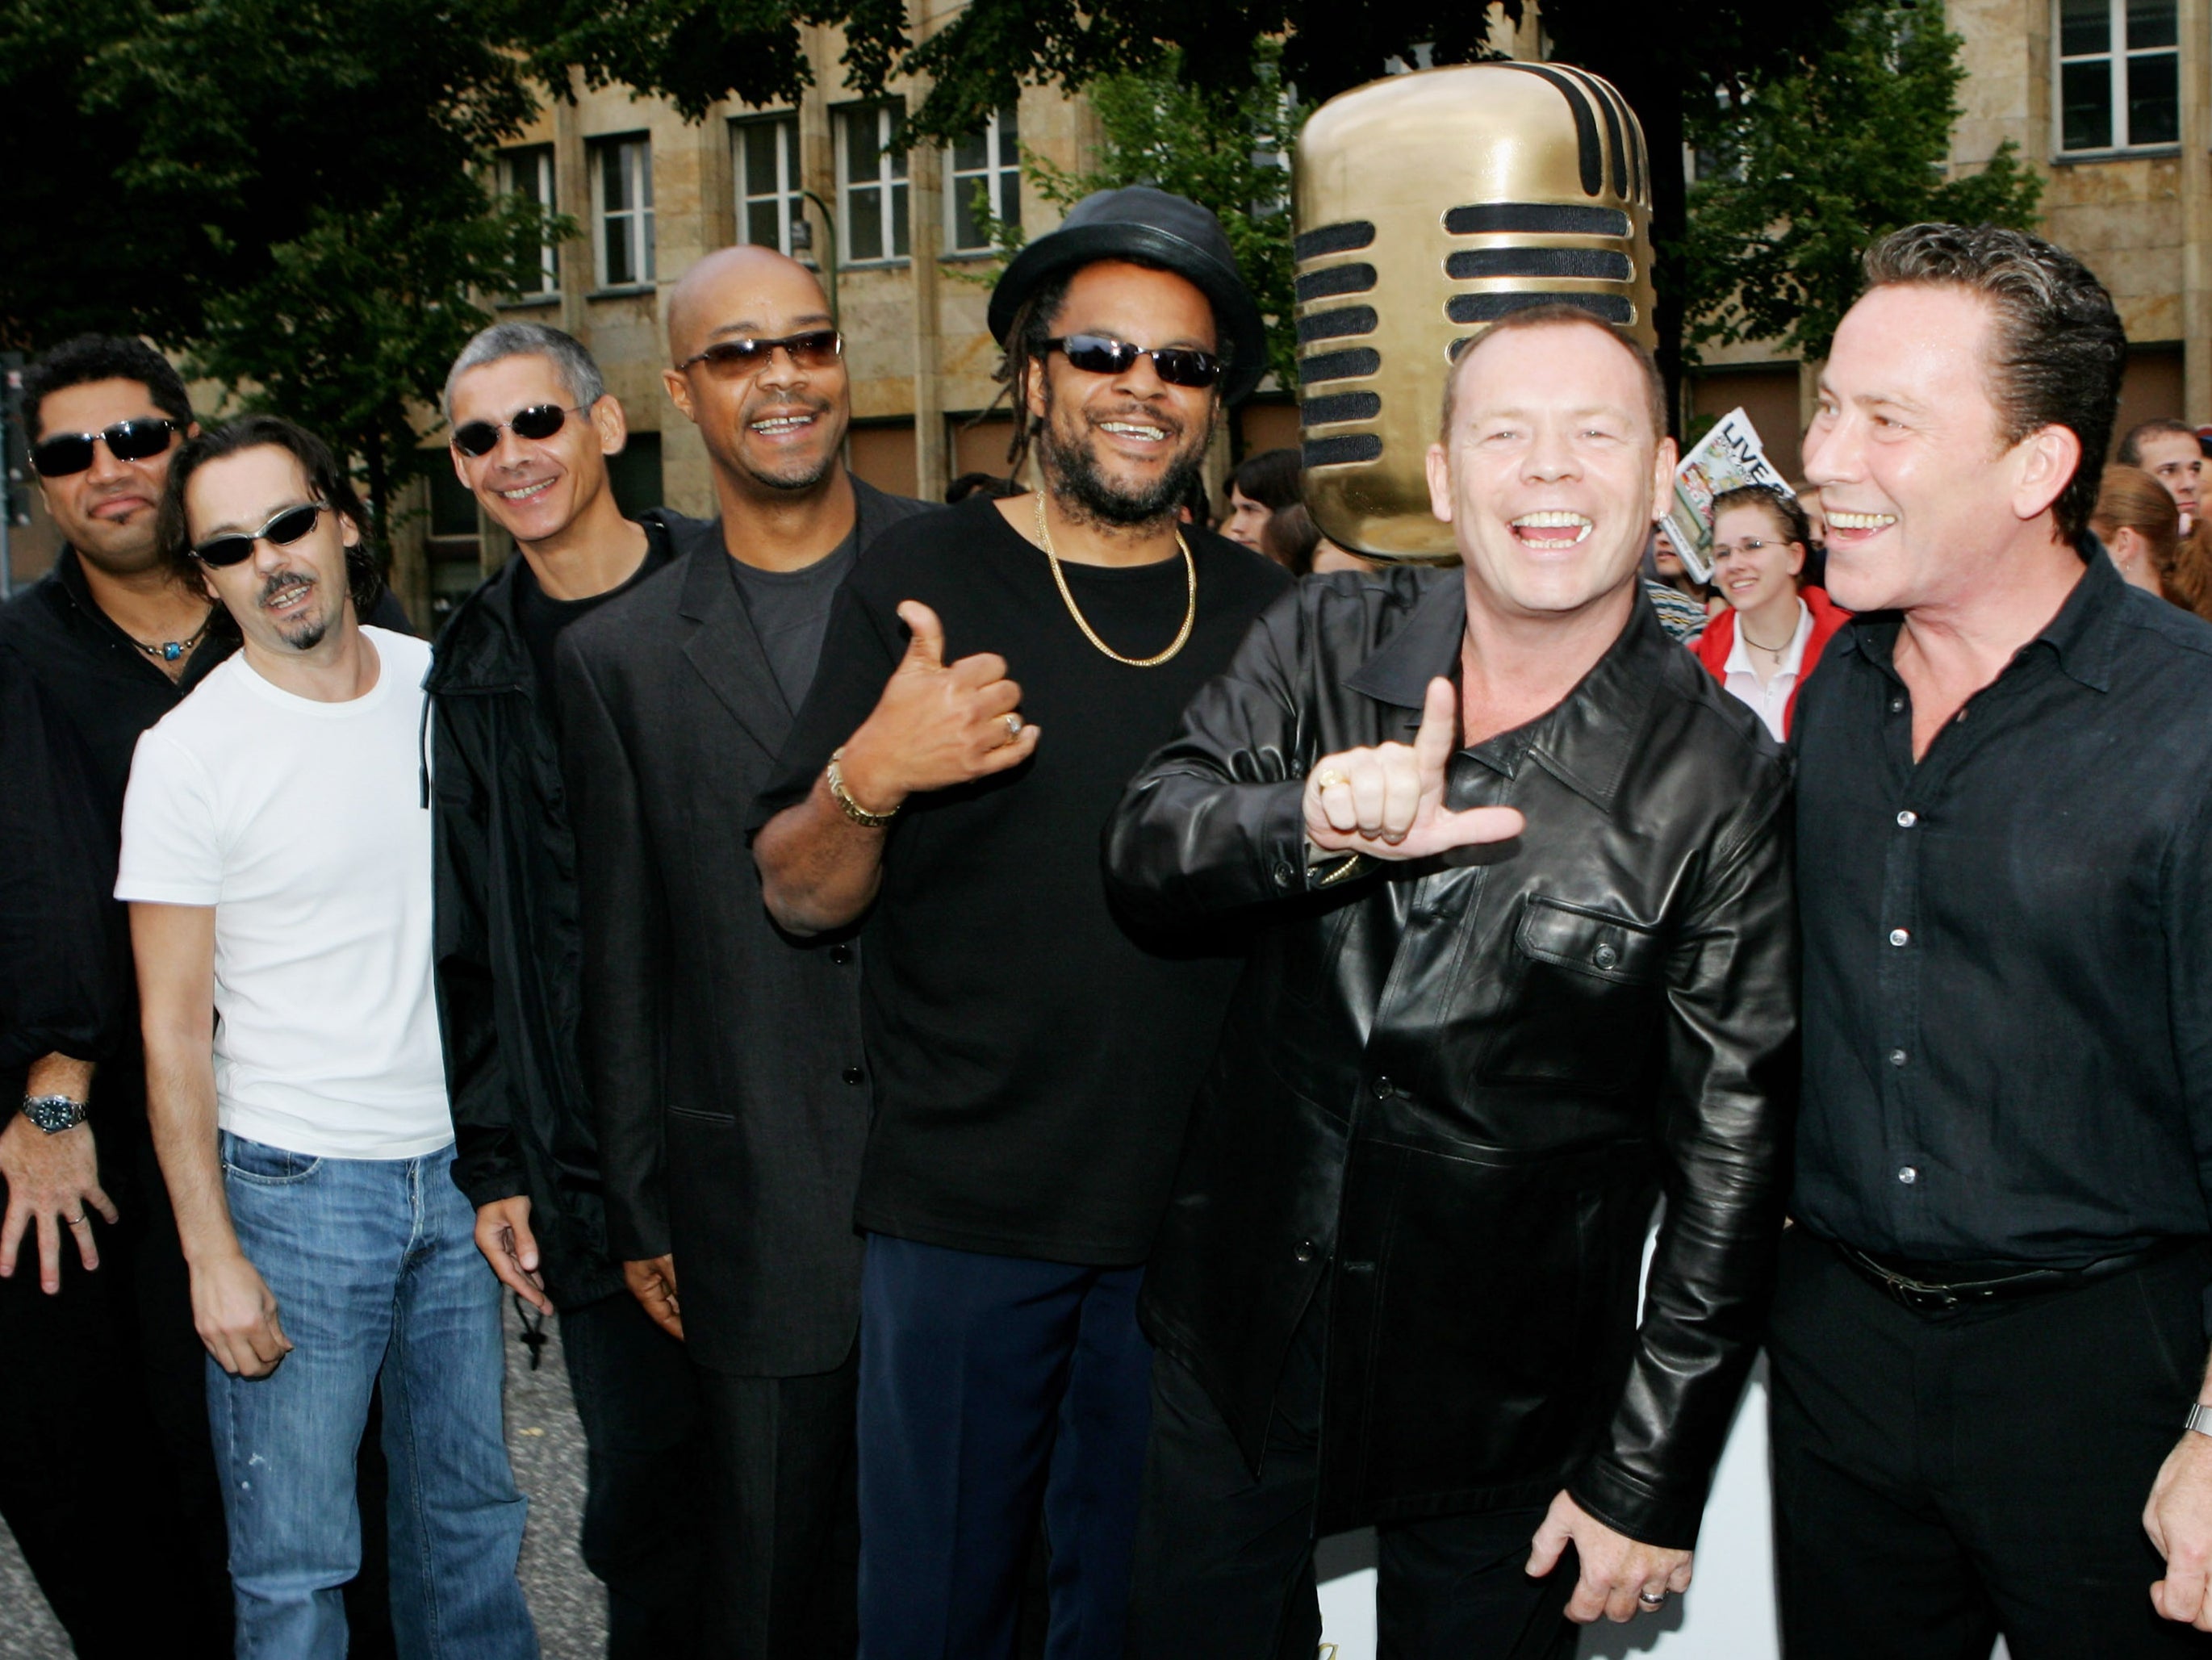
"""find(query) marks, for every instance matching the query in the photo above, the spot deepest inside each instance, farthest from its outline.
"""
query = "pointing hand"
(1388, 802)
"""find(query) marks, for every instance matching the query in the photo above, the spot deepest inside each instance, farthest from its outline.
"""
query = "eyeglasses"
(1749, 544)
(286, 528)
(480, 438)
(135, 440)
(738, 358)
(1101, 354)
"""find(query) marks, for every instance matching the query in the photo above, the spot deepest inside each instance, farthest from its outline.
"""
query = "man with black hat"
(991, 679)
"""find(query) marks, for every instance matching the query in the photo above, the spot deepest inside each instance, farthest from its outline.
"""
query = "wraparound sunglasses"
(736, 359)
(1102, 354)
(286, 528)
(61, 453)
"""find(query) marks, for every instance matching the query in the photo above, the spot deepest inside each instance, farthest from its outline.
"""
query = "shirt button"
(1605, 956)
(1908, 1176)
(1900, 936)
(1897, 706)
(1907, 819)
(1282, 874)
(1381, 1088)
(853, 1074)
(1897, 1057)
(840, 954)
(1303, 1250)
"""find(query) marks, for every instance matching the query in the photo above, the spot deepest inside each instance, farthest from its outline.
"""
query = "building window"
(766, 166)
(529, 174)
(872, 182)
(2119, 74)
(984, 178)
(621, 188)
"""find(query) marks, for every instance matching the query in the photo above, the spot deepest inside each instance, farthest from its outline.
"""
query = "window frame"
(1002, 130)
(2119, 61)
(891, 183)
(545, 177)
(789, 194)
(639, 215)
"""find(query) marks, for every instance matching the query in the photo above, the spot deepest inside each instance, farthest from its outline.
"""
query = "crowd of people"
(1044, 1057)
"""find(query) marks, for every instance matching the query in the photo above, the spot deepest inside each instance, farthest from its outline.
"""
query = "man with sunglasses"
(722, 1058)
(533, 429)
(991, 679)
(276, 856)
(106, 1477)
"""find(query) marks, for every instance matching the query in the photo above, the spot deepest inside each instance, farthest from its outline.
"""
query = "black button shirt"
(2008, 945)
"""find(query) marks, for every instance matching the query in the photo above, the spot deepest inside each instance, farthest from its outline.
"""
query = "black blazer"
(723, 1057)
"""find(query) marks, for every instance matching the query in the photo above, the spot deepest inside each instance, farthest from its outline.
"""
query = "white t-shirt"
(303, 825)
(1771, 699)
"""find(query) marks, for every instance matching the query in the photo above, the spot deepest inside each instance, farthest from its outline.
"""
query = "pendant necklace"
(170, 650)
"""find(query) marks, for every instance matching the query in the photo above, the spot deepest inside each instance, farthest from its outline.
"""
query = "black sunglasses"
(477, 438)
(65, 452)
(286, 528)
(1101, 354)
(816, 348)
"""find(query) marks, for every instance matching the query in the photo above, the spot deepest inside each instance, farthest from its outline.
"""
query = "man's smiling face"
(1551, 469)
(286, 600)
(534, 487)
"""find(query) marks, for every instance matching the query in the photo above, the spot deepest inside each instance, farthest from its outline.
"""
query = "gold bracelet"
(854, 810)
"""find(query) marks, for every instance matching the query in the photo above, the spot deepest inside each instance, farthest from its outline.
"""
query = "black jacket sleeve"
(64, 968)
(625, 943)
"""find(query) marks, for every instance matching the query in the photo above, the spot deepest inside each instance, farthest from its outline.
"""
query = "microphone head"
(1427, 206)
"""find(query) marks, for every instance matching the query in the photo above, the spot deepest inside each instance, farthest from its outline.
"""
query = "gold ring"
(1328, 779)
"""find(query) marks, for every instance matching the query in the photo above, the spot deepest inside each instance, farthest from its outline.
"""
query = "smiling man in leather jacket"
(1529, 963)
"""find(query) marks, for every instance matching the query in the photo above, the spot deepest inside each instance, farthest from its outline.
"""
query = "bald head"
(742, 291)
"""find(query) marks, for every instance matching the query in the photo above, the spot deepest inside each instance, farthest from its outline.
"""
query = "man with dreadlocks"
(992, 678)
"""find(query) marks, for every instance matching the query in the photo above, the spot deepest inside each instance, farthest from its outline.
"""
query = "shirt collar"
(1793, 654)
(1586, 740)
(2084, 636)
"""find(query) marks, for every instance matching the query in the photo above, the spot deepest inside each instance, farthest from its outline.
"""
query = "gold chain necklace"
(1190, 615)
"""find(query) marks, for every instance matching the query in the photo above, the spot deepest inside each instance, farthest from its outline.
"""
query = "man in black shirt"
(723, 1059)
(1035, 1054)
(1992, 1312)
(532, 426)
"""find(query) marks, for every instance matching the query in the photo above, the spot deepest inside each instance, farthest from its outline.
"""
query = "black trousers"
(1224, 1568)
(786, 1558)
(1939, 1478)
(647, 1486)
(106, 1476)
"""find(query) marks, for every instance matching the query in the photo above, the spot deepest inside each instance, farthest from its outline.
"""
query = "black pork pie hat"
(1154, 227)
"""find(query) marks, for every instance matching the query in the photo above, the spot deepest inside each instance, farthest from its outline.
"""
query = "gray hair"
(2057, 349)
(575, 366)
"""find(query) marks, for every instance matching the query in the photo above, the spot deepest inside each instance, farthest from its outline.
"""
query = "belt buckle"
(1923, 1299)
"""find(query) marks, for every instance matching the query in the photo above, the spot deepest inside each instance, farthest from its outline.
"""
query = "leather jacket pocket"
(1585, 1011)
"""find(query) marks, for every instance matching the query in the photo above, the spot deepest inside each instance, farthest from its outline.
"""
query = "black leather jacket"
(1456, 1087)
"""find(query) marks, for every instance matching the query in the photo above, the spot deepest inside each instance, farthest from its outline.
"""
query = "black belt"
(1923, 1287)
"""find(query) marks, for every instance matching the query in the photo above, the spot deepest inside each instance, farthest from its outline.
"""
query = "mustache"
(284, 582)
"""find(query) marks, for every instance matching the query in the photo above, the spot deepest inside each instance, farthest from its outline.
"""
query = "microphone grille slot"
(1489, 307)
(1333, 238)
(1535, 219)
(1352, 365)
(1334, 280)
(1332, 407)
(1330, 324)
(1342, 449)
(1602, 264)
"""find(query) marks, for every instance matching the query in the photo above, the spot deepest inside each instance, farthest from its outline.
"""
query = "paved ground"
(548, 1449)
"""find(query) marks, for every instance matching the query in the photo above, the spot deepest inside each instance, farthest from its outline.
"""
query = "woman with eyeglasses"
(1764, 646)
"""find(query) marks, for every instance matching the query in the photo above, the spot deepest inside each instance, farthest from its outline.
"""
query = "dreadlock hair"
(1025, 346)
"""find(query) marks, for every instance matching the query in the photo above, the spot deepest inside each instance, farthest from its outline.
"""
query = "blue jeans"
(992, 1386)
(375, 1268)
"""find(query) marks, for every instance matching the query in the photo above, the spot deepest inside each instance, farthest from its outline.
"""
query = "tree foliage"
(1808, 167)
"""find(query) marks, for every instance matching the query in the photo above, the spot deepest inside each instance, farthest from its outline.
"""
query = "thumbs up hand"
(936, 725)
(1388, 802)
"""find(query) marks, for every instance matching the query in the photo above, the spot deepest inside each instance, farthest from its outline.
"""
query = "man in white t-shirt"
(277, 857)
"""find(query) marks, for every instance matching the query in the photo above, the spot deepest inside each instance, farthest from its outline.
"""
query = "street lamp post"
(802, 241)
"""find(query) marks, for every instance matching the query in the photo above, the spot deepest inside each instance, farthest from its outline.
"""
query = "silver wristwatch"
(2199, 1418)
(54, 1113)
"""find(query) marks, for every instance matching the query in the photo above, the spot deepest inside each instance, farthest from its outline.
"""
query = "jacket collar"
(1586, 740)
(2085, 636)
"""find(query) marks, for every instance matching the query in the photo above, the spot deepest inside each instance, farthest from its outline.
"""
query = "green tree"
(1805, 169)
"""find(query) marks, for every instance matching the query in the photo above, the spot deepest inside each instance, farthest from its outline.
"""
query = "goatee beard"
(1089, 493)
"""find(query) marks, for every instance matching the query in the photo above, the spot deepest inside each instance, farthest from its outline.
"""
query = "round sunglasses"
(281, 531)
(743, 357)
(480, 438)
(1101, 354)
(62, 453)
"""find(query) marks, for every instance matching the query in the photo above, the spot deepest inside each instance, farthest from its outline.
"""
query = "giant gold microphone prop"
(1427, 206)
